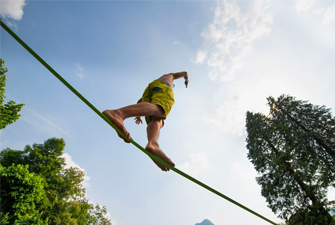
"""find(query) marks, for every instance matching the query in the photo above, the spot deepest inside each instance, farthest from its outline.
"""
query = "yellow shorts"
(159, 93)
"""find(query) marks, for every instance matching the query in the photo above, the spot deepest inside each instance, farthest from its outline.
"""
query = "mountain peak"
(205, 222)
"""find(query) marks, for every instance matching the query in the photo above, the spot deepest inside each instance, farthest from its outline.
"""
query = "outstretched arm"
(183, 74)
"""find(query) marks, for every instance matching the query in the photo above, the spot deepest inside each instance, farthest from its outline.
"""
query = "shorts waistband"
(165, 83)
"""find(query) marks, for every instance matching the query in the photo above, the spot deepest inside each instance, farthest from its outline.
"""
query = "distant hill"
(205, 222)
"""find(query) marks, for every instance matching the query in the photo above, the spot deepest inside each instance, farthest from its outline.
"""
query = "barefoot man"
(155, 105)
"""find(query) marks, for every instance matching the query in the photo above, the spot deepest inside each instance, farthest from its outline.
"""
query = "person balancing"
(155, 105)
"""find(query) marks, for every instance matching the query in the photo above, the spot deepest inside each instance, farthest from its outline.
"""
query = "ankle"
(118, 113)
(153, 145)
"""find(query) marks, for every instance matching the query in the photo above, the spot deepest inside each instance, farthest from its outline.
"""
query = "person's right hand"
(186, 78)
(138, 120)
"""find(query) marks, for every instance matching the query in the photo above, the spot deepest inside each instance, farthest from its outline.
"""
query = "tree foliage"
(21, 191)
(293, 151)
(62, 200)
(9, 112)
(308, 216)
(99, 215)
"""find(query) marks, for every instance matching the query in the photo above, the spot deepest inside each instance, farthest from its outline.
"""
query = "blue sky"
(237, 54)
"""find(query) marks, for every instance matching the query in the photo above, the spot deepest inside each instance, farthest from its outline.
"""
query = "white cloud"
(245, 93)
(304, 5)
(248, 92)
(329, 14)
(262, 76)
(197, 164)
(70, 163)
(12, 24)
(12, 9)
(243, 172)
(322, 9)
(41, 122)
(80, 71)
(230, 38)
(229, 116)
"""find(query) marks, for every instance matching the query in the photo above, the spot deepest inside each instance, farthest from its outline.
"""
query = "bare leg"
(153, 130)
(141, 109)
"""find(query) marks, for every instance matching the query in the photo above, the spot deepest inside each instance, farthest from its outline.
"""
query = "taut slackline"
(132, 141)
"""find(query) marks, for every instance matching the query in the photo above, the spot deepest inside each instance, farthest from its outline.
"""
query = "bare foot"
(114, 116)
(159, 153)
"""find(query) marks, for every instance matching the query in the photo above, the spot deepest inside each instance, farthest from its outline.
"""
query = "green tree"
(80, 210)
(292, 149)
(61, 185)
(98, 216)
(64, 193)
(9, 112)
(315, 126)
(21, 192)
(308, 216)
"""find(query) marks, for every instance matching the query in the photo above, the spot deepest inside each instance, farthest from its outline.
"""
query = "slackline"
(117, 129)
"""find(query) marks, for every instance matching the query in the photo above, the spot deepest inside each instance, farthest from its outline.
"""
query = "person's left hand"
(138, 120)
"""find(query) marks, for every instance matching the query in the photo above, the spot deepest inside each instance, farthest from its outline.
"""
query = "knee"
(160, 112)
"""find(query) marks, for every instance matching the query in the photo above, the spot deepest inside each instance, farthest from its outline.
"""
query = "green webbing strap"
(132, 141)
